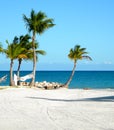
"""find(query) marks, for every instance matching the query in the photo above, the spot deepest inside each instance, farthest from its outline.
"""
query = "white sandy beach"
(62, 109)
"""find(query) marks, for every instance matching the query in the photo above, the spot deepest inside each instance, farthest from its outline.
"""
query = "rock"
(48, 85)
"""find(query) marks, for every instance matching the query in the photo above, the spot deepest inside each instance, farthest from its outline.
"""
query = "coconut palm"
(23, 41)
(28, 53)
(13, 52)
(37, 24)
(75, 54)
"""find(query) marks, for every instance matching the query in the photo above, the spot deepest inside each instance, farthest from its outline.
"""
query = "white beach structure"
(15, 79)
(3, 78)
(23, 78)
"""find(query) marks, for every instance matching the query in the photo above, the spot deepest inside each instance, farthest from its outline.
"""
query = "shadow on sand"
(96, 99)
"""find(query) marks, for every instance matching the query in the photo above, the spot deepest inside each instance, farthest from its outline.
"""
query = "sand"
(62, 109)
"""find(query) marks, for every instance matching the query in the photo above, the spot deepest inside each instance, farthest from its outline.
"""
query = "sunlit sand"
(61, 109)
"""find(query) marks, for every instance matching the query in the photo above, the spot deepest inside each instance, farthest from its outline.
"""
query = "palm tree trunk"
(11, 73)
(18, 70)
(72, 74)
(34, 61)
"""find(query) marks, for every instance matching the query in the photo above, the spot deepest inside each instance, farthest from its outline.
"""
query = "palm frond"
(27, 22)
(87, 57)
(38, 22)
(40, 16)
(1, 49)
(41, 52)
(78, 53)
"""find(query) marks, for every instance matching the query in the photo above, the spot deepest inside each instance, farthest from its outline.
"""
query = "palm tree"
(23, 41)
(75, 54)
(37, 24)
(13, 52)
(28, 52)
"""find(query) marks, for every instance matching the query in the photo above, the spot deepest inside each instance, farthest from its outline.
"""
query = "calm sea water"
(81, 79)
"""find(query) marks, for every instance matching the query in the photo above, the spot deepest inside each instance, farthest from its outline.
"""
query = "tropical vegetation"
(37, 23)
(13, 51)
(75, 54)
(0, 47)
(26, 47)
(19, 49)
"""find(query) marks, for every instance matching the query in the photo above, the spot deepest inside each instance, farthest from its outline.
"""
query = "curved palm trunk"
(11, 73)
(18, 70)
(34, 61)
(72, 74)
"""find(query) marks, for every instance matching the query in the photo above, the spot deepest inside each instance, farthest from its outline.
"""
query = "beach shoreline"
(72, 109)
(81, 79)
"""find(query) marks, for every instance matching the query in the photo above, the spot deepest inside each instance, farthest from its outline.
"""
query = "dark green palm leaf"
(78, 53)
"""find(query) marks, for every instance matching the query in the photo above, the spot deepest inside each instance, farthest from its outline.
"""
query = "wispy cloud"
(107, 62)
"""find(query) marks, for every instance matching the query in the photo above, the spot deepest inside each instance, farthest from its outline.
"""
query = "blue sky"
(89, 23)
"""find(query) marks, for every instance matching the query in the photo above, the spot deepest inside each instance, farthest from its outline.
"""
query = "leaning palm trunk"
(18, 70)
(34, 61)
(72, 74)
(11, 73)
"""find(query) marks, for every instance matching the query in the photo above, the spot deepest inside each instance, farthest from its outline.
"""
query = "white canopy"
(3, 78)
(29, 76)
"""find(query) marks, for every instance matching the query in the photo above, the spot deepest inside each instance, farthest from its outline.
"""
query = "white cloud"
(108, 62)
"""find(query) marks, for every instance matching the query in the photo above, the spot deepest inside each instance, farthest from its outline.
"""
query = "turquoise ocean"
(81, 79)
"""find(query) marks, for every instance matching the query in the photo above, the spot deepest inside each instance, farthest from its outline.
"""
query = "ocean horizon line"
(61, 70)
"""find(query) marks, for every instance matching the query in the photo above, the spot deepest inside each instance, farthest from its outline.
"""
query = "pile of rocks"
(48, 85)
